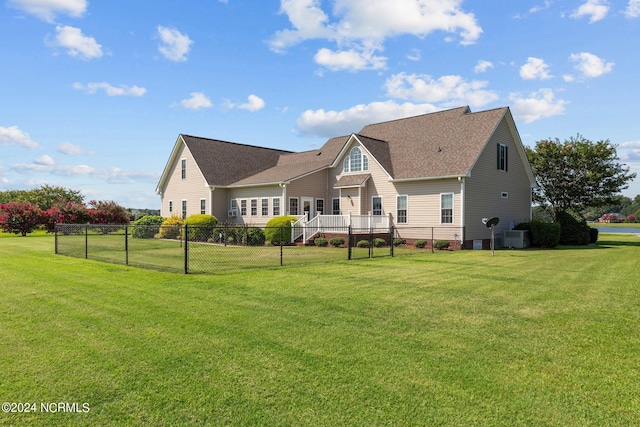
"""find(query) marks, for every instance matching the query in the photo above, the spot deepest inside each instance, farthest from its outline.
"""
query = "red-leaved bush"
(19, 217)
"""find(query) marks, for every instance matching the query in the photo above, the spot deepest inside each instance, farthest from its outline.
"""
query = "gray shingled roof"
(352, 180)
(446, 143)
(223, 163)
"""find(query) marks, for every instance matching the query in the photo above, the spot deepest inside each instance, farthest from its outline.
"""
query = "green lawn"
(526, 337)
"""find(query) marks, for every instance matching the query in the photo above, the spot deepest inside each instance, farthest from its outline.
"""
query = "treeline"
(23, 211)
(627, 207)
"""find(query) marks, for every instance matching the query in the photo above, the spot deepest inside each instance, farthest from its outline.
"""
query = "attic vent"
(318, 153)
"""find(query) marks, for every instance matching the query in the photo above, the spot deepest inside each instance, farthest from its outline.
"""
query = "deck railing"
(338, 224)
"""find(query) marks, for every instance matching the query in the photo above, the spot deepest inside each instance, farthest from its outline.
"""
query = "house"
(431, 176)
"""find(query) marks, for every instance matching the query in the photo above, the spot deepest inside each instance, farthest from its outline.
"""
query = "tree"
(107, 212)
(44, 197)
(19, 217)
(577, 173)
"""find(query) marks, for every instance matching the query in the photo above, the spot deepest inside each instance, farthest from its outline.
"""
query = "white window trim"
(324, 207)
(453, 208)
(184, 208)
(245, 207)
(183, 168)
(407, 208)
(298, 205)
(273, 206)
(339, 207)
(381, 205)
(203, 211)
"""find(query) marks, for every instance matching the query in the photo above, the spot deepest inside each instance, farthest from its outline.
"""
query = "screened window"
(184, 209)
(254, 207)
(265, 207)
(243, 207)
(293, 206)
(183, 164)
(401, 209)
(203, 206)
(319, 206)
(234, 205)
(377, 205)
(503, 157)
(446, 208)
(276, 206)
(355, 161)
(335, 207)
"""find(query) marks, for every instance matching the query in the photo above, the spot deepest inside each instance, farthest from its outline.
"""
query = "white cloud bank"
(633, 9)
(77, 44)
(596, 10)
(174, 45)
(535, 69)
(48, 9)
(197, 101)
(122, 90)
(589, 65)
(72, 149)
(537, 105)
(360, 27)
(13, 136)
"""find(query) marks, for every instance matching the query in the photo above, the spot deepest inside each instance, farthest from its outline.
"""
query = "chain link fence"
(220, 249)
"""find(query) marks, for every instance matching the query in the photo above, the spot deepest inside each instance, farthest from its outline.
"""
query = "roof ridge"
(238, 143)
(418, 115)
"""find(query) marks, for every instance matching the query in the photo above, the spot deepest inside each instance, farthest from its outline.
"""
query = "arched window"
(356, 161)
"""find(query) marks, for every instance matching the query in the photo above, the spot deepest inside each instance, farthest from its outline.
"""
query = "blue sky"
(94, 94)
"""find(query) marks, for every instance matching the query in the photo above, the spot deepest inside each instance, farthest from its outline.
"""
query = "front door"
(307, 207)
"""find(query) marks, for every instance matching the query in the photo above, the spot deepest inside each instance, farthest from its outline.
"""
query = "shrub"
(171, 228)
(420, 243)
(336, 241)
(200, 227)
(543, 234)
(147, 226)
(573, 228)
(69, 213)
(107, 212)
(321, 241)
(397, 241)
(362, 244)
(278, 229)
(441, 244)
(255, 237)
(378, 242)
(20, 217)
(593, 235)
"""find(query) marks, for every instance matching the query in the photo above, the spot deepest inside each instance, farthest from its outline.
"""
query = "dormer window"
(356, 161)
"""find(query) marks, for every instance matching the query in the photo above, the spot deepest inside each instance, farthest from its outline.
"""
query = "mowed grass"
(526, 337)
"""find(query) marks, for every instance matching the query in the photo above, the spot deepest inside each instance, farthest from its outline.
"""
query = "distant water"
(618, 230)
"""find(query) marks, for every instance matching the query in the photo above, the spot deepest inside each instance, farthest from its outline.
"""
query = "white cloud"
(535, 68)
(415, 55)
(48, 9)
(175, 46)
(590, 65)
(482, 66)
(350, 60)
(14, 136)
(446, 90)
(630, 144)
(331, 123)
(360, 27)
(77, 44)
(110, 90)
(595, 9)
(197, 101)
(72, 149)
(254, 103)
(537, 105)
(633, 9)
(44, 160)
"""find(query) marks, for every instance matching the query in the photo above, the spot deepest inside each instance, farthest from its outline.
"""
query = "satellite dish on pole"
(491, 223)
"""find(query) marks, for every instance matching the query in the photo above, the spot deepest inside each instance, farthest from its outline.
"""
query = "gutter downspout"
(211, 188)
(462, 212)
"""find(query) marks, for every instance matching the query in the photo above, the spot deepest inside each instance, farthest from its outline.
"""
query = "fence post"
(431, 239)
(86, 242)
(281, 227)
(126, 245)
(370, 240)
(349, 240)
(55, 228)
(186, 249)
(391, 240)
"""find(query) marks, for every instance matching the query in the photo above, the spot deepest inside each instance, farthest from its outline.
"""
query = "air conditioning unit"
(516, 239)
(232, 213)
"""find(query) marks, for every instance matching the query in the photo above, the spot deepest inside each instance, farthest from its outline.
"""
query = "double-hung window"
(446, 208)
(335, 207)
(401, 209)
(293, 206)
(319, 206)
(203, 206)
(376, 205)
(276, 206)
(254, 207)
(184, 209)
(265, 207)
(183, 166)
(503, 157)
(243, 207)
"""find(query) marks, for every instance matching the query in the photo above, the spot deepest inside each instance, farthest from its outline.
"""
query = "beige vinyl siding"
(192, 189)
(221, 203)
(484, 187)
